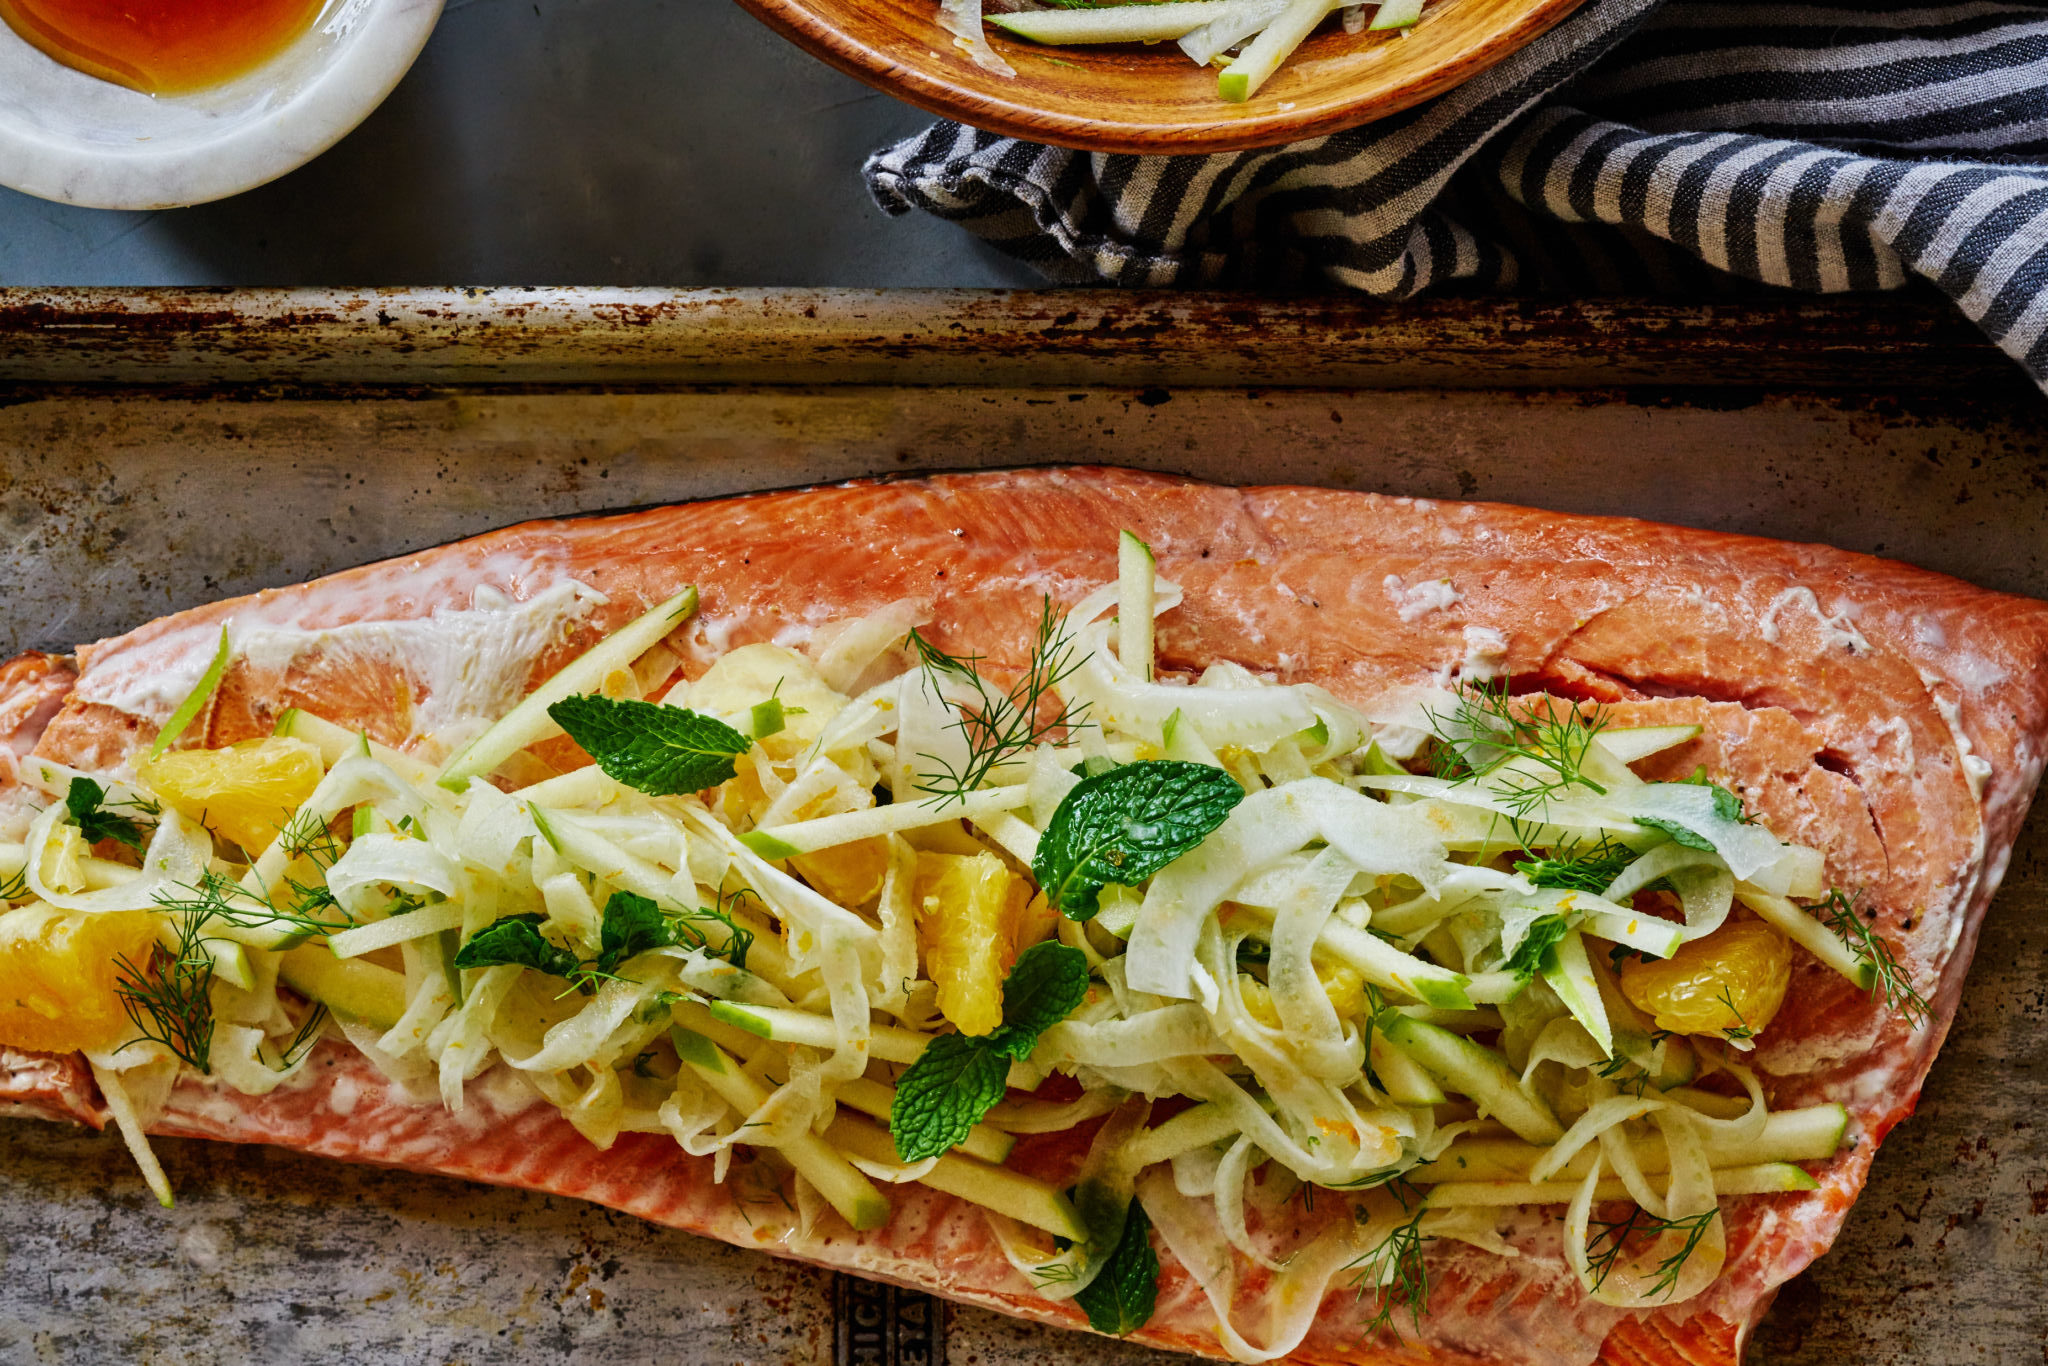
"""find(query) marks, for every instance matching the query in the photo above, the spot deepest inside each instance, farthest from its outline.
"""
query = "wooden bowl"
(1130, 98)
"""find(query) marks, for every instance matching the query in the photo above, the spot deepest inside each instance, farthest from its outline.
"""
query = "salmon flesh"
(1891, 717)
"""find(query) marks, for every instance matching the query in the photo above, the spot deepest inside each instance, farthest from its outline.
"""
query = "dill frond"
(1394, 1271)
(999, 726)
(1740, 1031)
(739, 939)
(1575, 867)
(306, 836)
(309, 1034)
(216, 895)
(1841, 913)
(169, 998)
(1529, 754)
(1604, 1247)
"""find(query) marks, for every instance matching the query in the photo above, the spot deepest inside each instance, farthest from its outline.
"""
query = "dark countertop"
(670, 142)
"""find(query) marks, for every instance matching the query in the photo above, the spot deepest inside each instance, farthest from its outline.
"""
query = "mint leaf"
(1533, 954)
(84, 800)
(1727, 805)
(959, 1076)
(1125, 825)
(516, 939)
(1120, 1300)
(1679, 834)
(944, 1094)
(659, 750)
(1048, 981)
(632, 925)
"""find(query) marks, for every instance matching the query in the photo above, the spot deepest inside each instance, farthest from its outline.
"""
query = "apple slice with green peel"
(844, 1187)
(1262, 56)
(1137, 575)
(890, 1043)
(1473, 1070)
(1571, 977)
(1024, 1198)
(1796, 924)
(1763, 1179)
(1396, 14)
(336, 743)
(529, 721)
(350, 987)
(1811, 1134)
(1400, 1076)
(824, 832)
(1144, 23)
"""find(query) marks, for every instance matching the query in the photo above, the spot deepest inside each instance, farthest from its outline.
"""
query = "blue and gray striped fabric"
(1635, 148)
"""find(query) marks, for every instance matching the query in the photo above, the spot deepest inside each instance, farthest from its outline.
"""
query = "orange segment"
(59, 975)
(971, 913)
(1735, 978)
(851, 874)
(1341, 983)
(244, 793)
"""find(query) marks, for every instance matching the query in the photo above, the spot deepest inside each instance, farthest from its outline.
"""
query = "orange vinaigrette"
(161, 47)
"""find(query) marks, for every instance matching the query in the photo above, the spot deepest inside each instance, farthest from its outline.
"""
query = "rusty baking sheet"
(161, 449)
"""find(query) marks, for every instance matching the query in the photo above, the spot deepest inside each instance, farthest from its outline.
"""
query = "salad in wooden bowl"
(1182, 77)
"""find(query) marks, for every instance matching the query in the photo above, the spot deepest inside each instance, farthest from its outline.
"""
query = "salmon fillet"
(1891, 717)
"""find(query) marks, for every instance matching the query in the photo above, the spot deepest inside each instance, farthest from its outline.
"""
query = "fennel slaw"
(1386, 969)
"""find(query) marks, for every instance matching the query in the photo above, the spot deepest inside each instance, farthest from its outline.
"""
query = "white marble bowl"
(79, 140)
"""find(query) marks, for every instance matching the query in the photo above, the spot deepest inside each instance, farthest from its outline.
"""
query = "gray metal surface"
(117, 505)
(667, 142)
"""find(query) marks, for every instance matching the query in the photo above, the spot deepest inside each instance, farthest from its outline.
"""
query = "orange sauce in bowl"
(161, 47)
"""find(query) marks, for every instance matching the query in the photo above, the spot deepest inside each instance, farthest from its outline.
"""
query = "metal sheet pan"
(158, 450)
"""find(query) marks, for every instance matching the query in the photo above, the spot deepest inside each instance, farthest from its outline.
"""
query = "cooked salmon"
(1893, 718)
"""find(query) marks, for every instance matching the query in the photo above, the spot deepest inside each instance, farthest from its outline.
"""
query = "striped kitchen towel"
(1635, 148)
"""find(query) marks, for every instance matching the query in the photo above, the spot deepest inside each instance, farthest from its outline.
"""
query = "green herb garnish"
(1727, 805)
(1127, 824)
(954, 1082)
(306, 836)
(1485, 732)
(1841, 913)
(169, 999)
(1680, 834)
(1603, 1249)
(1538, 949)
(218, 896)
(87, 802)
(1740, 1031)
(999, 726)
(959, 1077)
(1626, 1074)
(302, 1042)
(632, 925)
(1121, 1298)
(517, 940)
(659, 750)
(1394, 1271)
(1581, 870)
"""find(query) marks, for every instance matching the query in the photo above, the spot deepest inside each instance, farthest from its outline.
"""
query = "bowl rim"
(366, 68)
(1267, 126)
